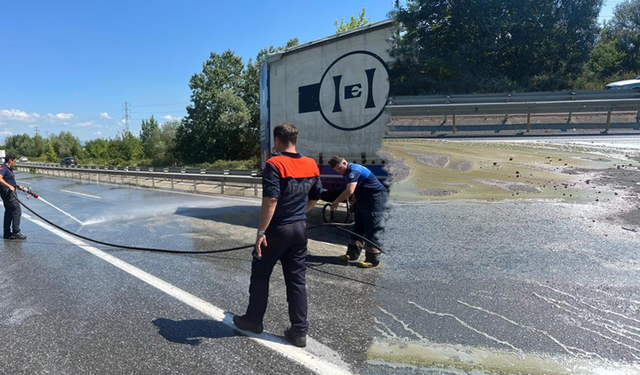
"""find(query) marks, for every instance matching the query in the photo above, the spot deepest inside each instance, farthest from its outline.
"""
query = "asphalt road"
(67, 308)
(519, 287)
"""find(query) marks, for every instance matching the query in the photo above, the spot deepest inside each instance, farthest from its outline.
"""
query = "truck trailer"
(334, 90)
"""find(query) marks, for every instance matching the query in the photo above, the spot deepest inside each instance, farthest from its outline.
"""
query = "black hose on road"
(338, 226)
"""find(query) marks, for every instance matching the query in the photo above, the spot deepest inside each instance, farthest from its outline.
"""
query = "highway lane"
(467, 287)
(72, 312)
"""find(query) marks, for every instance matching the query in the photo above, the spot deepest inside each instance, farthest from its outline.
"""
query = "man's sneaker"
(299, 341)
(18, 236)
(370, 260)
(7, 236)
(242, 323)
(353, 253)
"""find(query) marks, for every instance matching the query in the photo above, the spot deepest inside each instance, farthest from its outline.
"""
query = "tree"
(151, 137)
(20, 145)
(51, 155)
(354, 22)
(617, 53)
(65, 144)
(251, 94)
(472, 46)
(168, 136)
(98, 149)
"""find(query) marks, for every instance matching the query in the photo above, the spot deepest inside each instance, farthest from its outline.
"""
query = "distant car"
(68, 161)
(23, 159)
(630, 84)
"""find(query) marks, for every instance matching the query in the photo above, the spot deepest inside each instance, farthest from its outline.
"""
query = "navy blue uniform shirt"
(294, 180)
(8, 175)
(368, 184)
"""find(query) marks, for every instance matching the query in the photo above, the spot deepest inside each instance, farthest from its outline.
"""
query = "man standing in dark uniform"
(12, 211)
(370, 198)
(290, 188)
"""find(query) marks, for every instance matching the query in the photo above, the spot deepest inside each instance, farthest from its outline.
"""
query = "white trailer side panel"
(335, 93)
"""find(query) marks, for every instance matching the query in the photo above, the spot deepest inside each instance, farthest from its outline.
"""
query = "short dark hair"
(286, 132)
(335, 161)
(9, 157)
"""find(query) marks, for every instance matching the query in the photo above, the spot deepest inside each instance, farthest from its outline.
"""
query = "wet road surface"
(516, 287)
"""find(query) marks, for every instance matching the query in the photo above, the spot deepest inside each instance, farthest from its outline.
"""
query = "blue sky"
(71, 64)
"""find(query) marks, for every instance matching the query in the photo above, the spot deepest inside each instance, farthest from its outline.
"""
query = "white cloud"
(64, 116)
(169, 118)
(105, 115)
(97, 133)
(15, 114)
(6, 132)
(84, 124)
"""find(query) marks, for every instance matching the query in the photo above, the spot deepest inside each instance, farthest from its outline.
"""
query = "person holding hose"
(290, 188)
(369, 196)
(12, 210)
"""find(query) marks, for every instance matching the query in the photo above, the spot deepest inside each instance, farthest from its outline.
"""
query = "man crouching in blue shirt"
(12, 210)
(370, 198)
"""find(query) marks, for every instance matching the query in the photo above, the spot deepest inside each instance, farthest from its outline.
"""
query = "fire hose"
(31, 193)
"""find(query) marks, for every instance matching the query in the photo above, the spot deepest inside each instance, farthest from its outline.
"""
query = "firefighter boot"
(353, 253)
(370, 260)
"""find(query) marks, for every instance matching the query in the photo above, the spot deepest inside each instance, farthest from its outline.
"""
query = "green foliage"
(223, 121)
(616, 56)
(475, 46)
(252, 163)
(65, 144)
(97, 149)
(20, 145)
(153, 145)
(168, 136)
(354, 22)
(51, 155)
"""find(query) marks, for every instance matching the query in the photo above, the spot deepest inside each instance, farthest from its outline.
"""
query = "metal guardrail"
(516, 97)
(515, 104)
(224, 177)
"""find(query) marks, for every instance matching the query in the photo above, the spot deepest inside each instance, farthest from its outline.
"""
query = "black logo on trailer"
(351, 94)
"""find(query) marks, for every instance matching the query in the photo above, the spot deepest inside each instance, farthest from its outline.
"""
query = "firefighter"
(369, 196)
(12, 210)
(290, 188)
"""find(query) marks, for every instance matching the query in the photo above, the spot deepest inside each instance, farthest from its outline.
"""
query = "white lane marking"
(301, 356)
(82, 194)
(66, 213)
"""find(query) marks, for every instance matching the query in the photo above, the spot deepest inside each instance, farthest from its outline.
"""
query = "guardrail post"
(528, 122)
(153, 182)
(122, 179)
(98, 178)
(608, 121)
(638, 117)
(222, 186)
(454, 123)
(136, 180)
(255, 190)
(570, 117)
(195, 187)
(171, 183)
